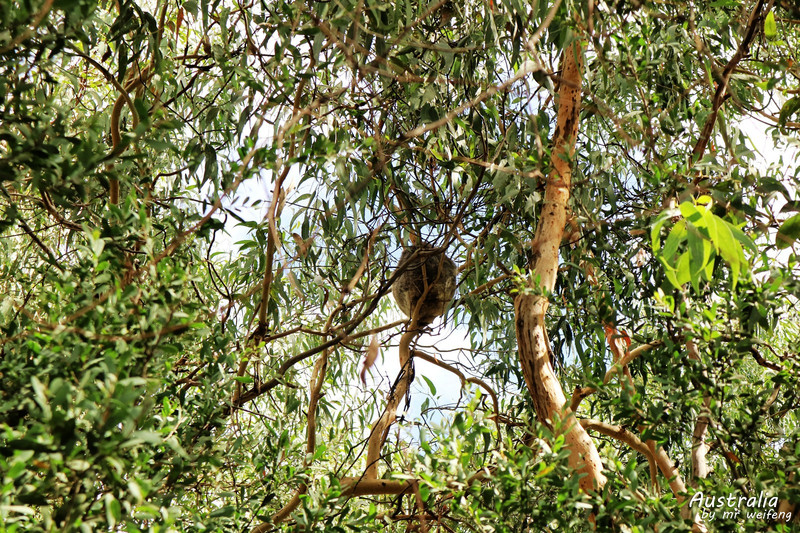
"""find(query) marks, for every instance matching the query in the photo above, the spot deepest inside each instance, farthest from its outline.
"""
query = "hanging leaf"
(789, 108)
(369, 359)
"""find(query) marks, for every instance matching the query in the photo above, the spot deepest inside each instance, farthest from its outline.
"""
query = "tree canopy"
(204, 204)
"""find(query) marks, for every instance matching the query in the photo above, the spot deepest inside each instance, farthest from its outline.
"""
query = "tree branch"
(531, 305)
(753, 24)
(580, 393)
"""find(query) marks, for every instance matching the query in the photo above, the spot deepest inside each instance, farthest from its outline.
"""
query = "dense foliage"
(203, 202)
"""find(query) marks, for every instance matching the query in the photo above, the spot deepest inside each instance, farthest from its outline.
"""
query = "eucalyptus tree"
(203, 205)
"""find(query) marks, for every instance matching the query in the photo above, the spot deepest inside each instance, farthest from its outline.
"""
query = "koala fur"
(433, 270)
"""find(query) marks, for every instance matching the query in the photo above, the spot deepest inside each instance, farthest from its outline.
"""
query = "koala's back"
(436, 271)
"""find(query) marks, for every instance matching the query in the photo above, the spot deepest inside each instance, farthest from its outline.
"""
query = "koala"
(435, 271)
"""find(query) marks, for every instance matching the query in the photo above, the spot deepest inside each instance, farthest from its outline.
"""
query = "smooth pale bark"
(353, 486)
(670, 472)
(548, 396)
(621, 434)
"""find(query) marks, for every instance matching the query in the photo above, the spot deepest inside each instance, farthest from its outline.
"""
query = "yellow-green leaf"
(683, 274)
(703, 200)
(770, 27)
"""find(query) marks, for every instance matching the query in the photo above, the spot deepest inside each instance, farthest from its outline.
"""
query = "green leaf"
(699, 216)
(675, 238)
(740, 236)
(655, 233)
(788, 232)
(689, 212)
(227, 510)
(97, 245)
(143, 437)
(683, 272)
(789, 108)
(707, 226)
(669, 272)
(700, 254)
(729, 248)
(210, 172)
(191, 7)
(431, 386)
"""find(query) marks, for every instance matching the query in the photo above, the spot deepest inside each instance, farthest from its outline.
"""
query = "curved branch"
(580, 393)
(699, 446)
(109, 77)
(623, 435)
(317, 379)
(50, 208)
(464, 379)
(116, 112)
(381, 427)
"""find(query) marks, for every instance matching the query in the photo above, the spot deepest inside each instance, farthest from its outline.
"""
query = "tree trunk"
(549, 399)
